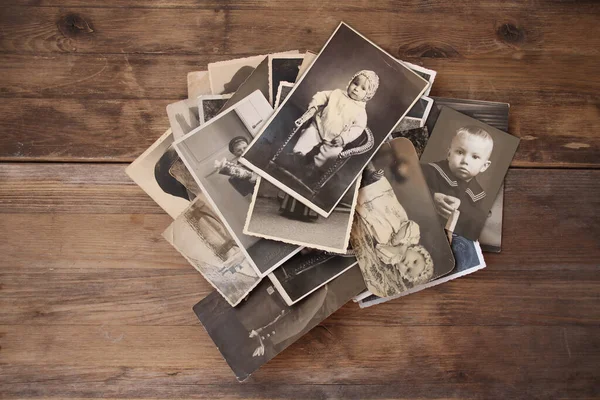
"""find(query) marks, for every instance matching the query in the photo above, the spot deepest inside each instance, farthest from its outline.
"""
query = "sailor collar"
(473, 189)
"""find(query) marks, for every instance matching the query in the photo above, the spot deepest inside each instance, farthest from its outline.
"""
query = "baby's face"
(239, 148)
(357, 90)
(468, 156)
(412, 265)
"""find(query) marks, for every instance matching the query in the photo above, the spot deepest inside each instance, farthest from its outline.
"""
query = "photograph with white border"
(425, 73)
(209, 106)
(282, 92)
(307, 271)
(282, 68)
(211, 154)
(336, 117)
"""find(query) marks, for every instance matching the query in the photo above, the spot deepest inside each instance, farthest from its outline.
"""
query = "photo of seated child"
(386, 240)
(337, 117)
(241, 178)
(453, 182)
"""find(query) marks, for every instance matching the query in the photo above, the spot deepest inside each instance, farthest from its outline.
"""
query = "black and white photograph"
(421, 109)
(309, 58)
(202, 239)
(425, 73)
(469, 259)
(464, 163)
(276, 215)
(209, 106)
(282, 68)
(307, 271)
(211, 153)
(494, 114)
(150, 171)
(183, 117)
(408, 123)
(282, 92)
(336, 117)
(396, 234)
(417, 136)
(198, 83)
(259, 328)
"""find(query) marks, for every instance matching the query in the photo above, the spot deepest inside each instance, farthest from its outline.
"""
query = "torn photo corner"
(469, 259)
(307, 271)
(202, 239)
(465, 162)
(259, 328)
(211, 154)
(334, 119)
(396, 235)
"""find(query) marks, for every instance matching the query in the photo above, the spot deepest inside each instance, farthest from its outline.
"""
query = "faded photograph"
(335, 118)
(464, 163)
(258, 329)
(276, 215)
(183, 117)
(395, 235)
(307, 271)
(200, 236)
(469, 259)
(211, 154)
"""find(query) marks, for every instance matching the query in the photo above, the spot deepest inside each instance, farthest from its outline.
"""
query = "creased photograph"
(464, 163)
(211, 154)
(336, 117)
(259, 328)
(200, 236)
(396, 234)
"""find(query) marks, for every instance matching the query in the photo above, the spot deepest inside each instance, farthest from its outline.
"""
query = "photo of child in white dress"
(338, 117)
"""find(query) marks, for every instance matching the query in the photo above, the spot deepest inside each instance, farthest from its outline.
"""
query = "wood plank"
(120, 130)
(506, 31)
(142, 358)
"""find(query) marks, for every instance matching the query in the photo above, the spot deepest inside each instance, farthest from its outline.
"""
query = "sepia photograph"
(200, 236)
(335, 118)
(183, 117)
(282, 68)
(150, 171)
(198, 83)
(396, 235)
(469, 259)
(307, 271)
(464, 163)
(494, 114)
(259, 328)
(211, 153)
(282, 92)
(210, 105)
(227, 76)
(276, 215)
(425, 73)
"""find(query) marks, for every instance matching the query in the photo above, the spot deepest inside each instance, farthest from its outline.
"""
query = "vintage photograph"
(211, 154)
(209, 106)
(421, 109)
(425, 73)
(464, 163)
(307, 271)
(282, 92)
(276, 215)
(417, 136)
(282, 68)
(200, 236)
(198, 83)
(150, 171)
(469, 259)
(335, 118)
(183, 117)
(408, 123)
(309, 57)
(259, 328)
(396, 234)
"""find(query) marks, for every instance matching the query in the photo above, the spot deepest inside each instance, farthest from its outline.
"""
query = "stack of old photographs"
(300, 181)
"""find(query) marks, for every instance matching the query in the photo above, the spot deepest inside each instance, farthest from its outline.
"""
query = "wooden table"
(94, 303)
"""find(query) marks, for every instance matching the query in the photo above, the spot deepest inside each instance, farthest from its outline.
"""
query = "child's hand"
(337, 142)
(445, 205)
